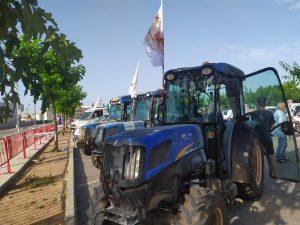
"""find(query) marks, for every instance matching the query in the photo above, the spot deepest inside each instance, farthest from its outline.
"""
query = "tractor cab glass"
(190, 98)
(126, 111)
(142, 108)
(115, 112)
(263, 92)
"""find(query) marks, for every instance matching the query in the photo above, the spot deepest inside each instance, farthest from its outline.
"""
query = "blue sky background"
(249, 34)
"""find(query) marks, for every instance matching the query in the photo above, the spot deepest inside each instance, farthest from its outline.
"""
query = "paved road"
(86, 178)
(279, 205)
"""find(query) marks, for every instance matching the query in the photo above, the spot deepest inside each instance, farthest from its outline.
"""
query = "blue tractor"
(120, 110)
(184, 171)
(144, 114)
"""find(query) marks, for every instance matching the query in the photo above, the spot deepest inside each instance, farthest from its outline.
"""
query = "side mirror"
(233, 87)
(287, 128)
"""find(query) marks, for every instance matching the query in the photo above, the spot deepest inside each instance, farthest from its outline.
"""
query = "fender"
(243, 134)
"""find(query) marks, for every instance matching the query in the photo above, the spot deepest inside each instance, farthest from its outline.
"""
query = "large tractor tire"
(202, 206)
(86, 150)
(96, 160)
(254, 189)
(97, 203)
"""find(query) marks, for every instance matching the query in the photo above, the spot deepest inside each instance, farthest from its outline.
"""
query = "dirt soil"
(39, 196)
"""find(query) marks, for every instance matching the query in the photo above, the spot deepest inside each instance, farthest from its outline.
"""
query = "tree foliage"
(272, 95)
(291, 84)
(69, 99)
(46, 76)
(21, 17)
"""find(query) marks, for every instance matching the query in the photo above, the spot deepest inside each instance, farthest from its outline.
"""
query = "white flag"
(154, 40)
(99, 103)
(132, 87)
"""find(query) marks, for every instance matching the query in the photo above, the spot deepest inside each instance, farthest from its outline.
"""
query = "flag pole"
(162, 25)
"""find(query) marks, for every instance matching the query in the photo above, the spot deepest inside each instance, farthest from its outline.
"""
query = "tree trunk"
(65, 122)
(55, 128)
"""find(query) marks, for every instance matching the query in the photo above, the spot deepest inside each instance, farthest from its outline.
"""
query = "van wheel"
(254, 189)
(202, 206)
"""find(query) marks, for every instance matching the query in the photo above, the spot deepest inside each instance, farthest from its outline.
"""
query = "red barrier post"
(7, 156)
(24, 145)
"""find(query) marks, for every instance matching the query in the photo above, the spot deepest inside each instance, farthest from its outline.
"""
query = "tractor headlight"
(132, 163)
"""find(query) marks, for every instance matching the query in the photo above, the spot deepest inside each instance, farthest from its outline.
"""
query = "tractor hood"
(115, 128)
(151, 137)
(160, 146)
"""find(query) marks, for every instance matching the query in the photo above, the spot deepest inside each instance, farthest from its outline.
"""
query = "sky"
(250, 34)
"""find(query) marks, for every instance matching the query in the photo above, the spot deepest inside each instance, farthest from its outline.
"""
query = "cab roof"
(218, 68)
(121, 99)
(156, 93)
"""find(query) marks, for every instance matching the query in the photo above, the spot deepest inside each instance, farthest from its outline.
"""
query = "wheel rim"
(218, 217)
(258, 165)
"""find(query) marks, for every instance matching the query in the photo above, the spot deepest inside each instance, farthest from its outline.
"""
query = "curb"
(70, 213)
(4, 187)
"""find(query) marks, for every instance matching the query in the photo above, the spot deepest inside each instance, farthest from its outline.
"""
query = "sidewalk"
(39, 195)
(18, 163)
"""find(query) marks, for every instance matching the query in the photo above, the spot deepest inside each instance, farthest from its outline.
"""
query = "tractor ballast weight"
(194, 155)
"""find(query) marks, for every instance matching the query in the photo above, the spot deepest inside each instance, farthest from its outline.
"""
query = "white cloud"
(254, 58)
(293, 4)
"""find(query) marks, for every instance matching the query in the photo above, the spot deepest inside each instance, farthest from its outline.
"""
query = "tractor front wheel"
(202, 206)
(86, 150)
(97, 203)
(254, 189)
(96, 160)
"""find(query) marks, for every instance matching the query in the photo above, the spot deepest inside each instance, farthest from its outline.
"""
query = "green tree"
(292, 70)
(291, 84)
(49, 70)
(68, 100)
(20, 17)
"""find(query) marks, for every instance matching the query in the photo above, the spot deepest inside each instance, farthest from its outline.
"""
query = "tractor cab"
(199, 95)
(195, 96)
(145, 107)
(120, 108)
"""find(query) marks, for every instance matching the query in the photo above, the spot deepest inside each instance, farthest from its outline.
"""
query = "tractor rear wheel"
(254, 189)
(202, 206)
(97, 203)
(96, 160)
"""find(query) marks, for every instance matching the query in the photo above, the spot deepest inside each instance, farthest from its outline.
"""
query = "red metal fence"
(12, 145)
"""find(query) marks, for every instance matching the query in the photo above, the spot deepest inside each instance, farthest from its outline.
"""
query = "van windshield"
(85, 116)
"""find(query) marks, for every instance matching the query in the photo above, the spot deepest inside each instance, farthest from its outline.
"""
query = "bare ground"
(39, 196)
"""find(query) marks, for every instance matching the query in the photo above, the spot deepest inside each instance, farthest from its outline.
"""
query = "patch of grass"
(35, 181)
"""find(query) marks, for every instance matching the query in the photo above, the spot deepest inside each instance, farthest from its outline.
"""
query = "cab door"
(265, 85)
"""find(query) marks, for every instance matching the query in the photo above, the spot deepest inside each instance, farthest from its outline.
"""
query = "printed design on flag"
(154, 40)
